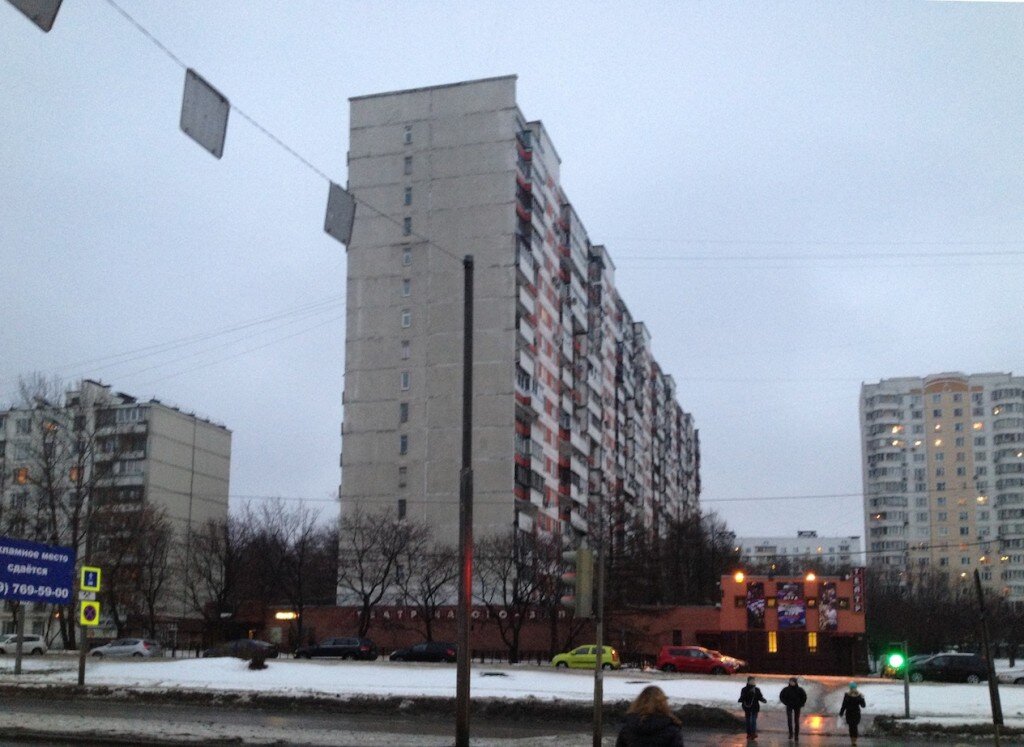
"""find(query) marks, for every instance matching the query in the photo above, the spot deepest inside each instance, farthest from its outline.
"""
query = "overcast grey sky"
(798, 196)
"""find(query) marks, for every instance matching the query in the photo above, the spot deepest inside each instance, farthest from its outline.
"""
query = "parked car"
(136, 647)
(30, 644)
(585, 657)
(897, 672)
(427, 651)
(340, 648)
(243, 648)
(950, 668)
(1011, 676)
(697, 660)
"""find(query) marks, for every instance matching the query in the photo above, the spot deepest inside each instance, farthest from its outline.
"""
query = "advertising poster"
(792, 608)
(828, 607)
(755, 604)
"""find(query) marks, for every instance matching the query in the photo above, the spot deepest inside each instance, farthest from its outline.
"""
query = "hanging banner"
(755, 604)
(828, 607)
(792, 609)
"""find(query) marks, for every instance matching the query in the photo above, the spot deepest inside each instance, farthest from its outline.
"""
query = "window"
(940, 456)
(401, 508)
(965, 531)
(408, 134)
(23, 426)
(773, 642)
(406, 286)
(958, 397)
(958, 412)
(406, 255)
(942, 516)
(403, 412)
(406, 349)
(406, 226)
(407, 166)
(941, 486)
(408, 195)
(812, 642)
(940, 471)
(936, 413)
(958, 427)
(959, 442)
(979, 440)
(403, 476)
(405, 380)
(406, 318)
(21, 475)
(936, 399)
(403, 444)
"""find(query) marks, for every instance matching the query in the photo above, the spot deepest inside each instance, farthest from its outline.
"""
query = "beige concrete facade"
(560, 368)
(943, 463)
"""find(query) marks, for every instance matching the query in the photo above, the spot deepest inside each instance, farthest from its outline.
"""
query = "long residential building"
(571, 412)
(110, 454)
(943, 463)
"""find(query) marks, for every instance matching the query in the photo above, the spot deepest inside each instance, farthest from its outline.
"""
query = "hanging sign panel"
(34, 572)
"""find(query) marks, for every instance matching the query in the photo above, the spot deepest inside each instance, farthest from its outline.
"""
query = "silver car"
(30, 644)
(137, 647)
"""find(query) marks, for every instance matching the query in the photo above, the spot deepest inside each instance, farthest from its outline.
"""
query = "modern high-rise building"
(106, 450)
(571, 412)
(943, 462)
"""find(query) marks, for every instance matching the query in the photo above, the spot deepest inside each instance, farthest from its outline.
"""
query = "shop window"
(812, 642)
(773, 642)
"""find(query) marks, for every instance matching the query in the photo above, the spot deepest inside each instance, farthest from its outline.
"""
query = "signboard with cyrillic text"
(34, 572)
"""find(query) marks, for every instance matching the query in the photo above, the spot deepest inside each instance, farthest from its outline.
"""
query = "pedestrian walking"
(853, 701)
(751, 700)
(793, 697)
(650, 722)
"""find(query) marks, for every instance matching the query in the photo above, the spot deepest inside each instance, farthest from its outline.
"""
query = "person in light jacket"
(793, 697)
(751, 700)
(650, 722)
(853, 701)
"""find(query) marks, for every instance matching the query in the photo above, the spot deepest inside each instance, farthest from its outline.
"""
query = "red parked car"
(696, 660)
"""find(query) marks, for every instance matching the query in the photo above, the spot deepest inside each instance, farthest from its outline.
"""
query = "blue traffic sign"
(34, 572)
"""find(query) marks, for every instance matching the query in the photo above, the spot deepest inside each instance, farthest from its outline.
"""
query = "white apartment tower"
(571, 411)
(943, 463)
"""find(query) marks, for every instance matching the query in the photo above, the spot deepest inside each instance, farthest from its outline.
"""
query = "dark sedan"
(427, 651)
(950, 668)
(340, 648)
(243, 648)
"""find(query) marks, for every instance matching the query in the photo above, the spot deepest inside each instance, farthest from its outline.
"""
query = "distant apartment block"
(805, 548)
(571, 410)
(943, 463)
(117, 452)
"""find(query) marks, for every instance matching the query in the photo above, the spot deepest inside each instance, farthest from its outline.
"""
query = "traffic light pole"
(906, 680)
(993, 683)
(599, 634)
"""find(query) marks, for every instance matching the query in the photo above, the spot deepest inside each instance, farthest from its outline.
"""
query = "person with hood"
(751, 700)
(853, 701)
(793, 697)
(650, 722)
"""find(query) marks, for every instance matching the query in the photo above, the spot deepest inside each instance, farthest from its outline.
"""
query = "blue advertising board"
(34, 572)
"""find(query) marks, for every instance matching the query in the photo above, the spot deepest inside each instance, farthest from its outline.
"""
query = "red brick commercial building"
(782, 624)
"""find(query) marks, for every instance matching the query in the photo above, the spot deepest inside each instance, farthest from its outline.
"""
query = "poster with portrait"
(828, 607)
(791, 607)
(755, 604)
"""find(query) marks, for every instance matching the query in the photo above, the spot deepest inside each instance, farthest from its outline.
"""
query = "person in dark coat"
(793, 697)
(751, 700)
(650, 722)
(853, 701)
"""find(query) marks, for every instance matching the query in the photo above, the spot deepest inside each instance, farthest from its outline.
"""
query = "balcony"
(526, 334)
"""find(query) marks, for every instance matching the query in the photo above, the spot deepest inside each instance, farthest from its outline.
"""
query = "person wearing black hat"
(751, 700)
(793, 697)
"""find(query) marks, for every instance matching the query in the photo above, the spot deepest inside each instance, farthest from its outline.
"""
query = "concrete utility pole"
(464, 655)
(599, 634)
(993, 683)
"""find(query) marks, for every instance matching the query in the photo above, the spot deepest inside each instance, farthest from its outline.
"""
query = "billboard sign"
(34, 572)
(792, 609)
(755, 605)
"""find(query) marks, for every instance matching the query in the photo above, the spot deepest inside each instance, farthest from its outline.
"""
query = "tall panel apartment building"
(943, 464)
(571, 411)
(132, 454)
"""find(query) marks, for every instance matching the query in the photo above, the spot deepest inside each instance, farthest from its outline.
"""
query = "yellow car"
(584, 657)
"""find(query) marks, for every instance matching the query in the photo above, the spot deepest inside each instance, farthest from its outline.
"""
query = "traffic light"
(579, 580)
(895, 660)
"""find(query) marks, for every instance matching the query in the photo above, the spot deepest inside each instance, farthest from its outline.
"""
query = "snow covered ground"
(334, 679)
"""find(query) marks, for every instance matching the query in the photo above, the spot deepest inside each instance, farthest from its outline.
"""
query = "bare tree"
(512, 571)
(426, 579)
(370, 546)
(298, 553)
(215, 570)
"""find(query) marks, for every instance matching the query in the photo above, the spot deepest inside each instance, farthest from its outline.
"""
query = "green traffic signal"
(895, 660)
